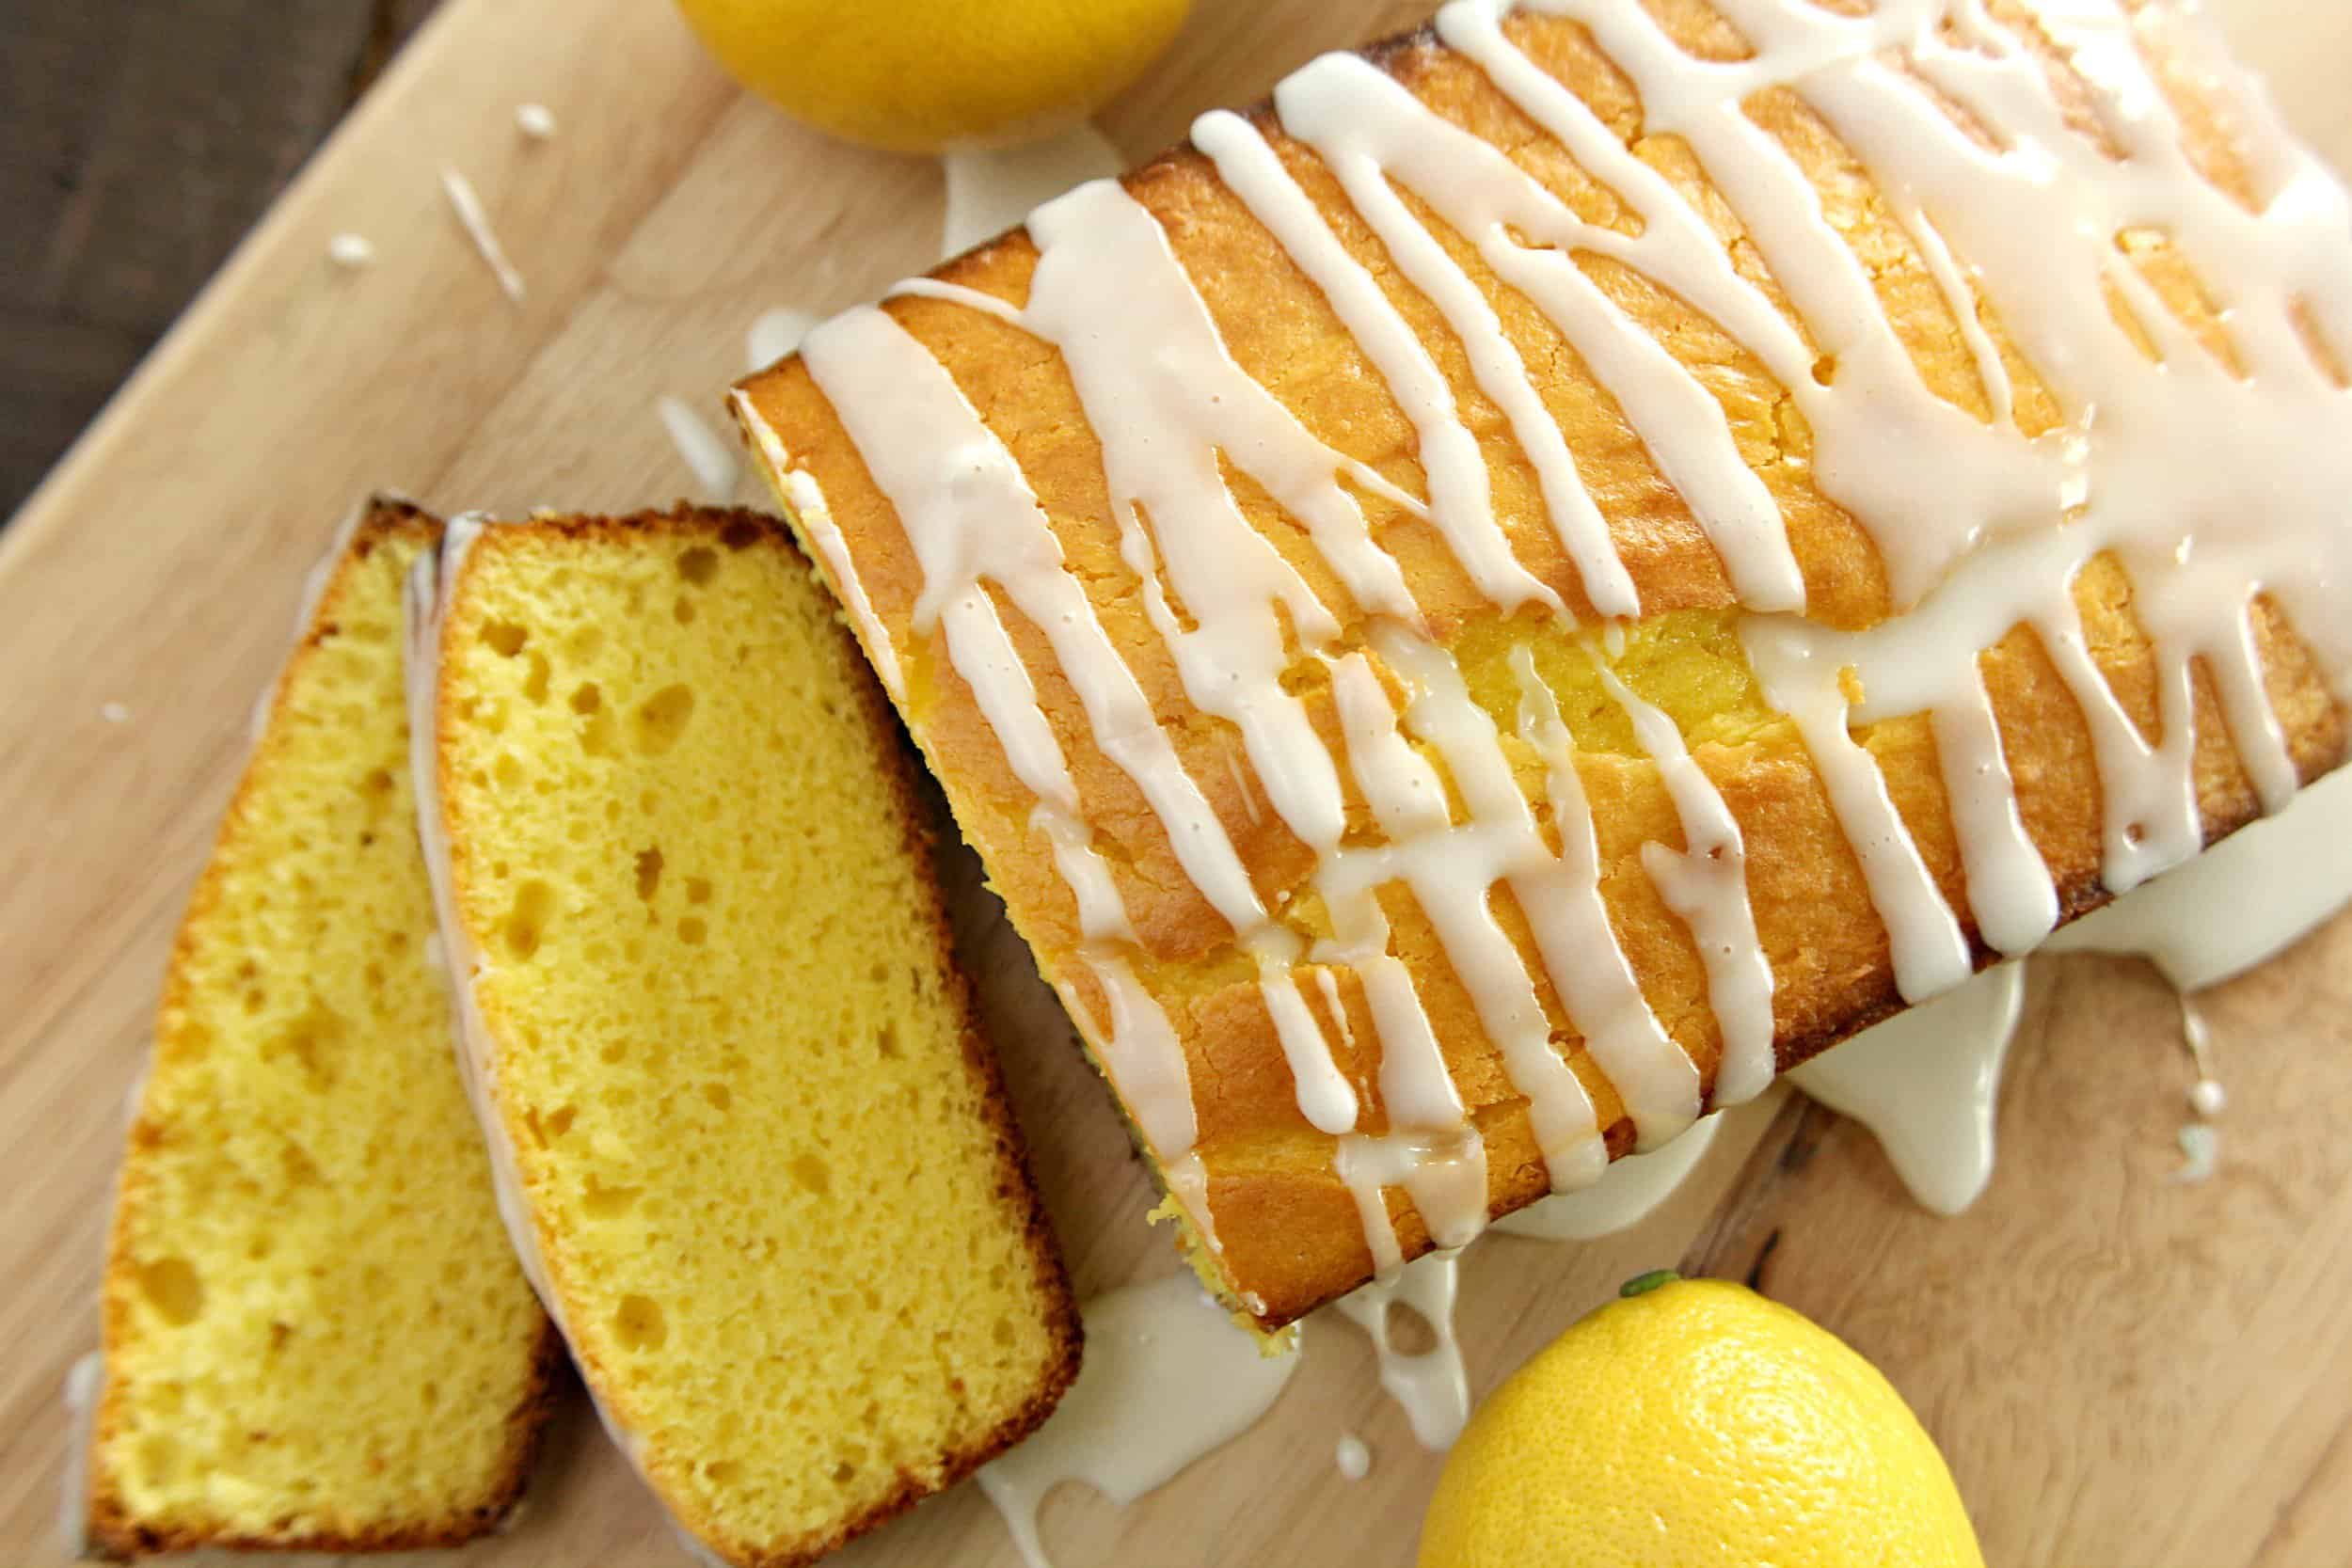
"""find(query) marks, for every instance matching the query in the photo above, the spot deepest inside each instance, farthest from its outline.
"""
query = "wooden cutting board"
(2122, 1369)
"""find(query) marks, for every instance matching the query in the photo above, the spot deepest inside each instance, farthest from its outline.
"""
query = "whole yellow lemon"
(925, 75)
(1697, 1423)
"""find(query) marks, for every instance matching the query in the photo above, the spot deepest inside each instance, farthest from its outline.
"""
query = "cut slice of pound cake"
(316, 1335)
(761, 1159)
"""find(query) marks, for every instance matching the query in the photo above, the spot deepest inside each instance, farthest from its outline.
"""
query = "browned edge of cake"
(740, 527)
(109, 1531)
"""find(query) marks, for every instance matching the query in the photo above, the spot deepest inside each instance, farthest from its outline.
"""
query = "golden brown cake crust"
(742, 527)
(1290, 1229)
(113, 1530)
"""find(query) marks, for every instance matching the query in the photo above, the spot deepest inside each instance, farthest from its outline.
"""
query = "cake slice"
(765, 1172)
(1477, 611)
(316, 1334)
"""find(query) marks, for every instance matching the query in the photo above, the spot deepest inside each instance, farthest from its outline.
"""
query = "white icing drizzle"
(801, 495)
(2200, 1152)
(2150, 462)
(1167, 1378)
(1925, 1080)
(1705, 882)
(1659, 1083)
(712, 460)
(1353, 1457)
(1625, 1195)
(1431, 1385)
(1459, 484)
(1325, 1096)
(992, 189)
(2242, 902)
(773, 334)
(476, 223)
(1372, 130)
(83, 1382)
(1927, 1083)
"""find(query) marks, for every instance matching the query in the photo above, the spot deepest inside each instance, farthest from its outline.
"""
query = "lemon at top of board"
(927, 76)
(1694, 1424)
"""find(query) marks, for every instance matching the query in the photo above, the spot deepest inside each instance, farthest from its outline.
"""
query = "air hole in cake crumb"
(662, 718)
(1409, 1333)
(525, 924)
(813, 1173)
(719, 1096)
(309, 1041)
(741, 535)
(172, 1289)
(159, 1458)
(877, 972)
(613, 1052)
(683, 610)
(723, 1472)
(1825, 369)
(535, 682)
(1002, 1332)
(886, 1040)
(699, 565)
(595, 737)
(301, 1170)
(430, 1392)
(638, 1324)
(586, 698)
(648, 873)
(693, 931)
(698, 889)
(505, 638)
(507, 771)
(605, 1203)
(560, 1122)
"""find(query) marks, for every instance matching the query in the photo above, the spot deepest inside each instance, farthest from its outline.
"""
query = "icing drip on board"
(1982, 526)
(1927, 1082)
(1430, 1385)
(1625, 1196)
(1167, 1378)
(992, 189)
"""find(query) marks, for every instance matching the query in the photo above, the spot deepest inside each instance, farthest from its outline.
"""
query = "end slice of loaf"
(756, 1152)
(316, 1334)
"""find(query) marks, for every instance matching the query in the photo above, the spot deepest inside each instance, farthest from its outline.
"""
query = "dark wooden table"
(138, 140)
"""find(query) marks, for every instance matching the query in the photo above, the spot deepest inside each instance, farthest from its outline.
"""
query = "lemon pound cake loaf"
(761, 1163)
(316, 1334)
(1479, 610)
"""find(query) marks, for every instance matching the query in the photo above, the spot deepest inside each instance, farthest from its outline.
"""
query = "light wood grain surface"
(2121, 1369)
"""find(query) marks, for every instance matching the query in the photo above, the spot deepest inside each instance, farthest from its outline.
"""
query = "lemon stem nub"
(1641, 1283)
